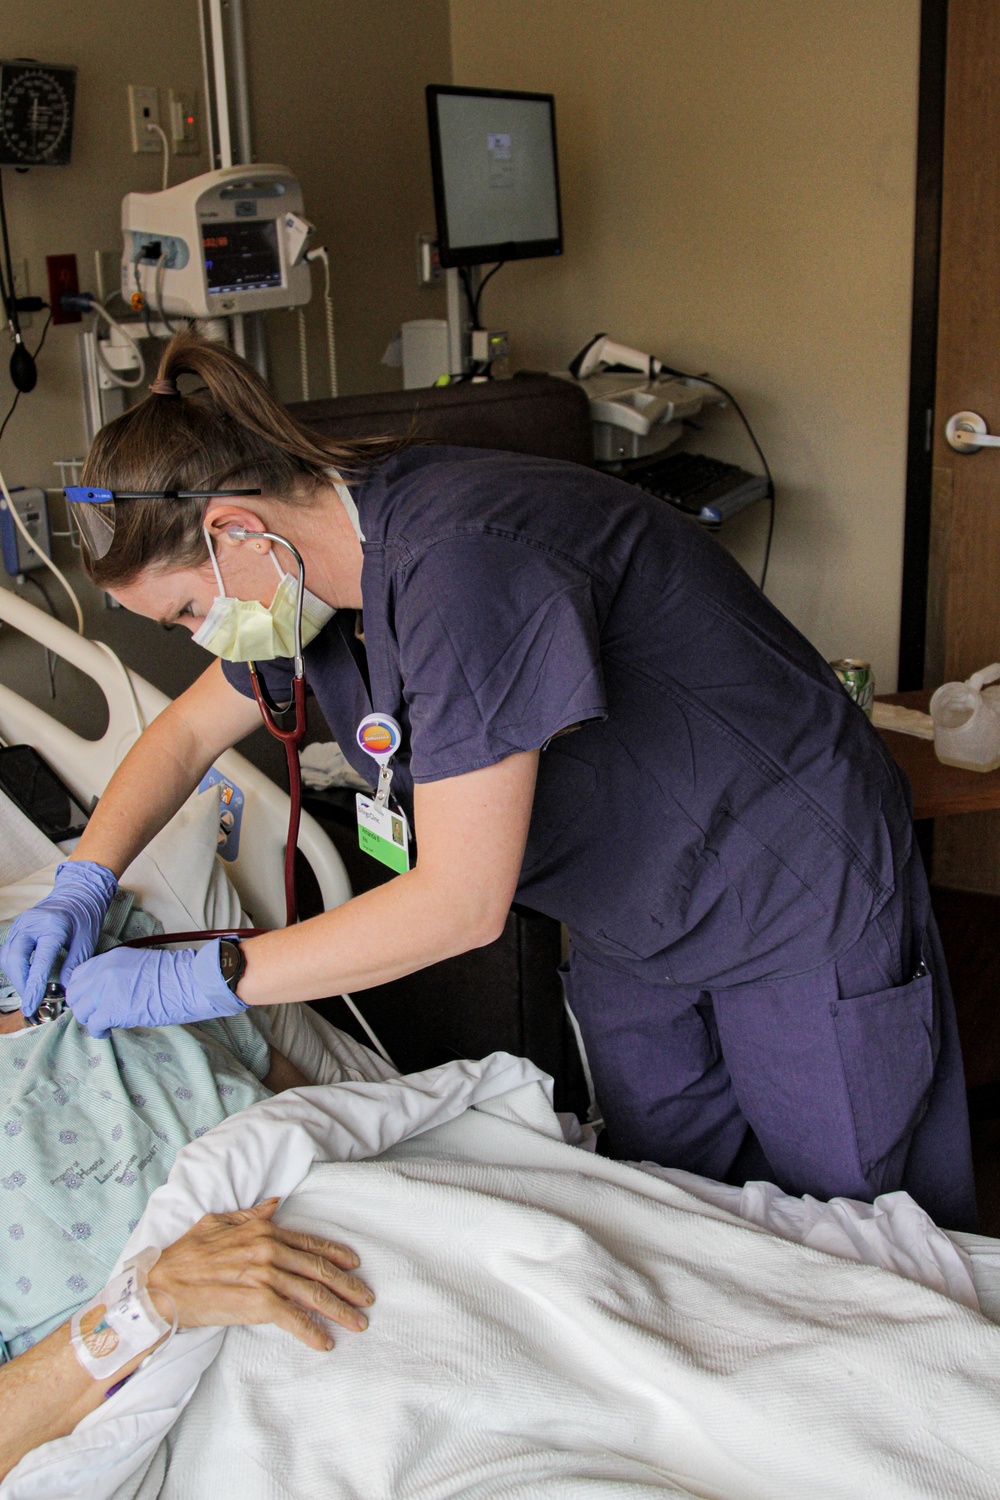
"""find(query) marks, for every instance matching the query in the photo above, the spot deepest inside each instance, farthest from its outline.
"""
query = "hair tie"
(164, 385)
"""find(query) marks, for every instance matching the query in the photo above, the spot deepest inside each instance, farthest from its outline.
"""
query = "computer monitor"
(496, 177)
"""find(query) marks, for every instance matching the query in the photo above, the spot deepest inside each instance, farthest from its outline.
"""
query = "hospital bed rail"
(87, 765)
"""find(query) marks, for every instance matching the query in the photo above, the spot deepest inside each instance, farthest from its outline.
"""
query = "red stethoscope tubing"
(291, 739)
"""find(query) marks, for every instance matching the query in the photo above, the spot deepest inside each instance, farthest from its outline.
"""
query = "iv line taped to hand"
(130, 1324)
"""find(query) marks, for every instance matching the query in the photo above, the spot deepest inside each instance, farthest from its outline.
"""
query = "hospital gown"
(88, 1129)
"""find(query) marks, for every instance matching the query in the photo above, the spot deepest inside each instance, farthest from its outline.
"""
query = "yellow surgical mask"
(246, 630)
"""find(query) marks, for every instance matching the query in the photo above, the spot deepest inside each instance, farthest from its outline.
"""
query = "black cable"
(39, 585)
(18, 394)
(767, 545)
(9, 298)
(482, 285)
(142, 301)
(10, 412)
(463, 272)
(683, 375)
(158, 287)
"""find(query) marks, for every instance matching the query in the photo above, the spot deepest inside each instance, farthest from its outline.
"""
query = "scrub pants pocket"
(888, 1048)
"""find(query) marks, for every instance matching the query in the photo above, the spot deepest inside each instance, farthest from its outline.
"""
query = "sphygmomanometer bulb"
(23, 370)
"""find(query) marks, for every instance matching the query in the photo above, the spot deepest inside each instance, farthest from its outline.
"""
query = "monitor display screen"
(496, 179)
(241, 256)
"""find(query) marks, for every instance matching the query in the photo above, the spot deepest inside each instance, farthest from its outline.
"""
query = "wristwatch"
(232, 961)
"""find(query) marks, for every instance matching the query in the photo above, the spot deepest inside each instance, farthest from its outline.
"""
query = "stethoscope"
(54, 1001)
(291, 738)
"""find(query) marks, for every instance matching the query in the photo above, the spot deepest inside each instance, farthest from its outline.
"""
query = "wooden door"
(964, 595)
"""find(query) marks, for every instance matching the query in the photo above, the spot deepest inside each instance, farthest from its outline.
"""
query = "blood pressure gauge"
(36, 114)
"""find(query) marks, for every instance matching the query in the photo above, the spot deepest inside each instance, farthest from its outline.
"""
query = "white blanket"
(551, 1323)
(547, 1322)
(265, 1151)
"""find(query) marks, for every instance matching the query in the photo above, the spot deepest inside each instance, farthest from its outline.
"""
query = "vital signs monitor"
(229, 241)
(496, 178)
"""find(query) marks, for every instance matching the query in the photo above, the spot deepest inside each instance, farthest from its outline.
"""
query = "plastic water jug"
(967, 721)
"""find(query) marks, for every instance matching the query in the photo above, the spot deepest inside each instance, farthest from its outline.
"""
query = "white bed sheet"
(548, 1321)
(553, 1323)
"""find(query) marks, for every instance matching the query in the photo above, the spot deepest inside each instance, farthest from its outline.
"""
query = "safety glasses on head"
(94, 509)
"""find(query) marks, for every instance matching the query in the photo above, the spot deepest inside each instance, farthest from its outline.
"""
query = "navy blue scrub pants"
(845, 1081)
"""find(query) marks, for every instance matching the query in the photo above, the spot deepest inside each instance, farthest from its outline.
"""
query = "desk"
(968, 920)
(938, 791)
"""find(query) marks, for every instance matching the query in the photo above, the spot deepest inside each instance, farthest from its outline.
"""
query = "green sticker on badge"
(383, 833)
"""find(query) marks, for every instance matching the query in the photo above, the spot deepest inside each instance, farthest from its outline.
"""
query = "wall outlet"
(62, 277)
(143, 110)
(429, 272)
(182, 117)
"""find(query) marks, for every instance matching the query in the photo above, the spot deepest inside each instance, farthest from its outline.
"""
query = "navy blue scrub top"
(721, 812)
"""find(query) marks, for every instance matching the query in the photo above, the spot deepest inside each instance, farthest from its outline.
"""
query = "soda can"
(857, 680)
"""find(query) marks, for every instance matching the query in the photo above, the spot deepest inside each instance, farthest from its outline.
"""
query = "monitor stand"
(460, 320)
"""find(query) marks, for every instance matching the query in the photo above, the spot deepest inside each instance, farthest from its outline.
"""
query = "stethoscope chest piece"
(51, 1007)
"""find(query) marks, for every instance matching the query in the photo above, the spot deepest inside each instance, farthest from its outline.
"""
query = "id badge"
(382, 830)
(382, 833)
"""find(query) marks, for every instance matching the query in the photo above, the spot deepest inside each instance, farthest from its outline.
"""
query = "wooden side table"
(938, 791)
(968, 920)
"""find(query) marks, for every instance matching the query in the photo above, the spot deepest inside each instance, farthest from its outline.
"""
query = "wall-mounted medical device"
(21, 555)
(229, 241)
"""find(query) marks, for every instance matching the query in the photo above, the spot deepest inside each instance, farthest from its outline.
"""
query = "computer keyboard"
(701, 486)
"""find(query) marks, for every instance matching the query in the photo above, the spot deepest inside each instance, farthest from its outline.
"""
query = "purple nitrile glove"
(69, 918)
(146, 987)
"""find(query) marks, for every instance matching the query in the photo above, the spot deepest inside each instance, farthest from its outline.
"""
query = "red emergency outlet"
(62, 274)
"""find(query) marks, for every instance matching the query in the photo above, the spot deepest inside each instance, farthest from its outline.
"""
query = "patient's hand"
(240, 1268)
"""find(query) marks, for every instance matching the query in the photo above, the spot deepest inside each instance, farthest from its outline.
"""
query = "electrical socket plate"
(182, 115)
(61, 273)
(144, 109)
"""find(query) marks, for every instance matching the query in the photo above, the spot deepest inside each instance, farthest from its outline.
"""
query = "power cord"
(482, 367)
(86, 302)
(322, 254)
(158, 308)
(23, 373)
(50, 656)
(303, 353)
(52, 566)
(26, 534)
(482, 287)
(166, 153)
(19, 393)
(737, 408)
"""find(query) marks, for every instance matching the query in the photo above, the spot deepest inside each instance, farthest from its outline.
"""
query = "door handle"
(967, 433)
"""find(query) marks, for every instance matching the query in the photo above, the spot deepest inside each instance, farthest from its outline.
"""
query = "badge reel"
(383, 831)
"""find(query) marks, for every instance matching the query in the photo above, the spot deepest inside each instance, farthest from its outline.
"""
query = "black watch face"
(230, 961)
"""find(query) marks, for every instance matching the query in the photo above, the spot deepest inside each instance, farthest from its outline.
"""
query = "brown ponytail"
(230, 433)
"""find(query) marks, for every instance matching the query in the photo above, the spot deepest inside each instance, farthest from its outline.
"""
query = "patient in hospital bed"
(548, 1321)
(90, 1128)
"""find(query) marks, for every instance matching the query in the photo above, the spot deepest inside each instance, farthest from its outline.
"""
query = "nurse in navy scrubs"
(602, 717)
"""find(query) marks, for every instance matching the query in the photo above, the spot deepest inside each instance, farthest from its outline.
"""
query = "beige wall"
(738, 195)
(337, 91)
(337, 94)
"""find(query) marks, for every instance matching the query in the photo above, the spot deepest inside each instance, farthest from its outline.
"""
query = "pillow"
(177, 878)
(23, 847)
